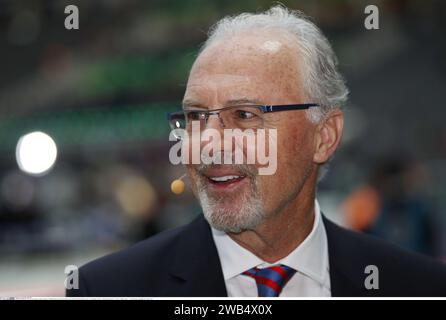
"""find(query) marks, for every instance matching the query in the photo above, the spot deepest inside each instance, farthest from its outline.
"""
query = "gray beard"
(247, 216)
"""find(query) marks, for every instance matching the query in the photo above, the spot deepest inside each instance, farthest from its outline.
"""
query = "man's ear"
(328, 136)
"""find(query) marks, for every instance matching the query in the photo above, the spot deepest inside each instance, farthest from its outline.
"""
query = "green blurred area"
(136, 73)
(93, 126)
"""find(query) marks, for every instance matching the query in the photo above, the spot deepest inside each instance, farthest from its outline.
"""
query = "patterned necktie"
(270, 281)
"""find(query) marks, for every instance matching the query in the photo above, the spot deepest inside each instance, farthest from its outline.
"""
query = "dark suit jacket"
(184, 262)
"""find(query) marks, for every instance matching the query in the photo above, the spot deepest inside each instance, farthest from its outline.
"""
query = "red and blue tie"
(270, 281)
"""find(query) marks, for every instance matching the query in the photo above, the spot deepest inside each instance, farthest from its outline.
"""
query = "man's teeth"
(224, 178)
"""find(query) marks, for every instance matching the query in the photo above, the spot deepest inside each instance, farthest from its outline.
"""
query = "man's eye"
(245, 115)
(192, 116)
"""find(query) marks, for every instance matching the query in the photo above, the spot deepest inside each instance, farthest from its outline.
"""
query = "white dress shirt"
(310, 259)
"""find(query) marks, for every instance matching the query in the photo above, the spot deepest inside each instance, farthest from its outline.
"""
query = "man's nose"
(214, 122)
(214, 144)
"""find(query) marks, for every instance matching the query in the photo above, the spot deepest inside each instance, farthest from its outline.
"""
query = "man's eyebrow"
(193, 104)
(235, 102)
(189, 103)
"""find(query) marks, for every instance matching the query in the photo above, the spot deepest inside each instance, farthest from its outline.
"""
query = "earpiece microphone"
(177, 185)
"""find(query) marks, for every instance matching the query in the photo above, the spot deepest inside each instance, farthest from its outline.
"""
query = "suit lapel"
(195, 268)
(346, 267)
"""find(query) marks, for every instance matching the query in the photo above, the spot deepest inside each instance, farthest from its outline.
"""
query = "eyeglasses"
(233, 117)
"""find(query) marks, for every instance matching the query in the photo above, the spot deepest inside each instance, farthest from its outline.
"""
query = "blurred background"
(84, 166)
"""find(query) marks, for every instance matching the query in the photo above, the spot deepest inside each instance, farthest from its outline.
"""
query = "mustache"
(249, 171)
(218, 160)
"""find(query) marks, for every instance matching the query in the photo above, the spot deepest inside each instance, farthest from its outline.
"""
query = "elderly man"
(264, 235)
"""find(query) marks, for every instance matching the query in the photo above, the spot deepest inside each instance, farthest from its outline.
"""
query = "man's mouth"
(225, 180)
(222, 178)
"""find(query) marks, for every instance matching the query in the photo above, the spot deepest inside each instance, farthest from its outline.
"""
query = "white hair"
(322, 82)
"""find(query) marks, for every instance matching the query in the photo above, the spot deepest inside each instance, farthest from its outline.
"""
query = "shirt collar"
(309, 258)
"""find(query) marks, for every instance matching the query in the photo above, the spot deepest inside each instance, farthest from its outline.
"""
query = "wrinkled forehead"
(215, 81)
(262, 63)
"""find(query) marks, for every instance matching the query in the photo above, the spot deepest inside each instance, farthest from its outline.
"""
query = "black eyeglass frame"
(264, 108)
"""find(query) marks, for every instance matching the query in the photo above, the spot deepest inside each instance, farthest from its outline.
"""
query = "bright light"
(36, 153)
